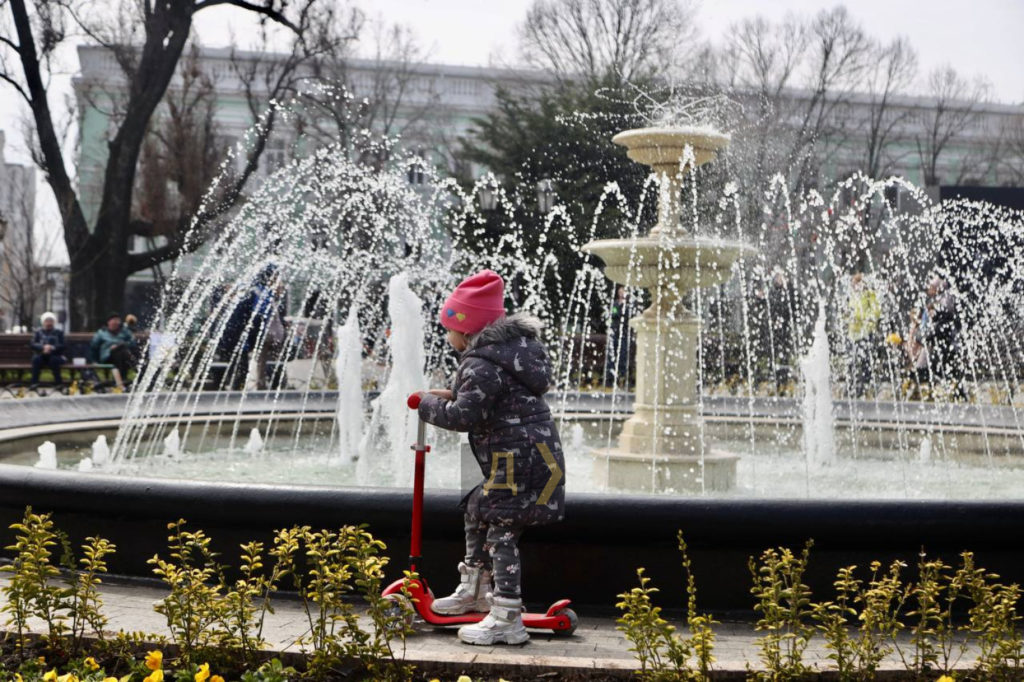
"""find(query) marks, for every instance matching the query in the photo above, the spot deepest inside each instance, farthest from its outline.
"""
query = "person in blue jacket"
(113, 344)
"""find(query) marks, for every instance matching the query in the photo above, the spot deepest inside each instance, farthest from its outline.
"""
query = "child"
(497, 396)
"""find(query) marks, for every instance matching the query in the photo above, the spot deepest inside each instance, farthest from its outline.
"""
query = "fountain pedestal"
(661, 446)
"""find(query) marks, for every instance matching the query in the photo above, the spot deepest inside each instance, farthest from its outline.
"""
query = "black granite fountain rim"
(710, 523)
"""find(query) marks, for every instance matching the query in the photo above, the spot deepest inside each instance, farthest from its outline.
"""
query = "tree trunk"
(97, 288)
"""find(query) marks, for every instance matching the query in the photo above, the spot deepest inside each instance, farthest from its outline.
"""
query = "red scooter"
(559, 617)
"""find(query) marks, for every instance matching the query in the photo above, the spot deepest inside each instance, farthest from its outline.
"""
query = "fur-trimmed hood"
(506, 329)
(512, 342)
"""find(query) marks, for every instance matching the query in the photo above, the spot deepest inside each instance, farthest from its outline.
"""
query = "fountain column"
(660, 447)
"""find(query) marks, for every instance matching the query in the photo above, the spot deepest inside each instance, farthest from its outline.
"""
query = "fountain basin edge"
(590, 557)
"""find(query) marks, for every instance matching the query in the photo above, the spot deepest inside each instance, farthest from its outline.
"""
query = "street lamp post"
(545, 195)
(487, 197)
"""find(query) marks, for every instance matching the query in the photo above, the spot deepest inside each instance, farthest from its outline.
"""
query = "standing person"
(917, 351)
(498, 397)
(619, 339)
(232, 345)
(781, 329)
(944, 334)
(864, 313)
(267, 334)
(243, 334)
(48, 346)
(113, 344)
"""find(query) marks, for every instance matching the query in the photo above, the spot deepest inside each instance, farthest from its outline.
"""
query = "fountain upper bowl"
(686, 261)
(663, 147)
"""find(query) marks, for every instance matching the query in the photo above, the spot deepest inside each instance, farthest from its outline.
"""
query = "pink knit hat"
(475, 303)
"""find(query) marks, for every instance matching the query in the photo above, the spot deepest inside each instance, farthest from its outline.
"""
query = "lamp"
(545, 195)
(487, 197)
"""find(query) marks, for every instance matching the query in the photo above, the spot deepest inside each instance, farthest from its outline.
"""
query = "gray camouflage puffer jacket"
(498, 397)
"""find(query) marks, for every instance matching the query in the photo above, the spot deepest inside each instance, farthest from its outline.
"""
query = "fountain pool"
(872, 459)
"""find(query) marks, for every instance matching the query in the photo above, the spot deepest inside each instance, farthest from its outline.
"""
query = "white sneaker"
(469, 596)
(503, 625)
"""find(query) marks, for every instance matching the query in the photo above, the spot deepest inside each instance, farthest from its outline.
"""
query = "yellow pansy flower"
(216, 678)
(91, 663)
(155, 659)
(50, 676)
(946, 678)
(204, 673)
(17, 677)
(155, 676)
(464, 678)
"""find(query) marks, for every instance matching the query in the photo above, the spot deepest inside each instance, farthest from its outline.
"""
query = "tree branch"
(272, 14)
(17, 86)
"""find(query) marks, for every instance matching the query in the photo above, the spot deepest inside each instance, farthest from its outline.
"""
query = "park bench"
(16, 364)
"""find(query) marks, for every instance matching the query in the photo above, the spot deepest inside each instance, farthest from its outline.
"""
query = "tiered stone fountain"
(660, 447)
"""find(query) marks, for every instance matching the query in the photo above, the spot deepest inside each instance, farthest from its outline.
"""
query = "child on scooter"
(498, 397)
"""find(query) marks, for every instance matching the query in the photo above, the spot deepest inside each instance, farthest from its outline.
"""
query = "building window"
(274, 156)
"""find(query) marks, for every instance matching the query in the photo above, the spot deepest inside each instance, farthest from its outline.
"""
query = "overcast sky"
(984, 37)
(977, 37)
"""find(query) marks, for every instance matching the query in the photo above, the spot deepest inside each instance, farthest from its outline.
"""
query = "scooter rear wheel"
(574, 621)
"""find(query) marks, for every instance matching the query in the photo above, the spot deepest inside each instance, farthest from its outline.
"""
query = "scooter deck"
(556, 618)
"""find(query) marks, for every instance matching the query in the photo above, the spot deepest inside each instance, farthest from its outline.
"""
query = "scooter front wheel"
(574, 621)
(400, 609)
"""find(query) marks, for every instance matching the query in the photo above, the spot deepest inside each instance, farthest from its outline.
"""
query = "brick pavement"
(596, 645)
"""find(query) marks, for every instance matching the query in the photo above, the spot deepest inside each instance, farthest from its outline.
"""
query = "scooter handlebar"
(414, 401)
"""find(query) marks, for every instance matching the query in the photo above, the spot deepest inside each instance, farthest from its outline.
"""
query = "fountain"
(363, 259)
(661, 446)
(819, 427)
(254, 445)
(47, 456)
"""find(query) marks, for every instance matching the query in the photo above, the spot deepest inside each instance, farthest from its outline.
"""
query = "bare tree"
(795, 78)
(179, 159)
(385, 91)
(763, 57)
(607, 40)
(23, 260)
(837, 58)
(101, 259)
(892, 69)
(954, 109)
(760, 65)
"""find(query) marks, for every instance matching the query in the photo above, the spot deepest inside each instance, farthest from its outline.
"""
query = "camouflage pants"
(496, 547)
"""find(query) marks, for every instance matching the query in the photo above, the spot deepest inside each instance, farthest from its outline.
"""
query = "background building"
(430, 107)
(23, 281)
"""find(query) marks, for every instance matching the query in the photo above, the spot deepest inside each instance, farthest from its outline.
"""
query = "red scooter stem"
(421, 448)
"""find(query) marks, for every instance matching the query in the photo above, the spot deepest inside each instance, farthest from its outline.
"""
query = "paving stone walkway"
(595, 646)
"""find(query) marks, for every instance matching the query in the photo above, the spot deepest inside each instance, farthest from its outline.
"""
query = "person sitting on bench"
(112, 345)
(48, 347)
